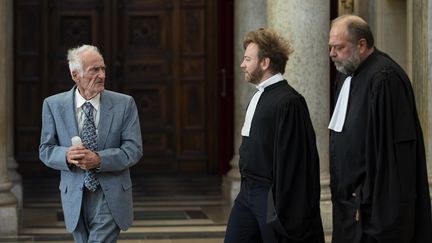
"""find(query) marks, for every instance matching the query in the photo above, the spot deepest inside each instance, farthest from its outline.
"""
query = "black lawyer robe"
(281, 148)
(377, 162)
(296, 184)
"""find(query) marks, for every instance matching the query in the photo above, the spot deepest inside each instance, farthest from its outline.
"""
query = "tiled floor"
(167, 210)
(206, 240)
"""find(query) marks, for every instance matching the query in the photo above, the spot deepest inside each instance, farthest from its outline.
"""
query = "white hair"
(74, 57)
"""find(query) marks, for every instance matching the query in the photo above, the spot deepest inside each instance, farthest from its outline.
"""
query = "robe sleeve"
(389, 190)
(295, 193)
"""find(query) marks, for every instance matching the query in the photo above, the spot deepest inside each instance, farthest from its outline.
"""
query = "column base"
(326, 215)
(231, 181)
(430, 186)
(17, 191)
(9, 220)
(15, 178)
(230, 188)
(326, 206)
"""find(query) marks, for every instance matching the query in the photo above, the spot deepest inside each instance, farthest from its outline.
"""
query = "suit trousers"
(247, 221)
(96, 224)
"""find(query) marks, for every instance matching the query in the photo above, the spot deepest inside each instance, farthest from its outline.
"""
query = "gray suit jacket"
(119, 145)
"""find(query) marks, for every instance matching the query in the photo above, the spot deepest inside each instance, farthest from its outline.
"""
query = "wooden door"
(162, 52)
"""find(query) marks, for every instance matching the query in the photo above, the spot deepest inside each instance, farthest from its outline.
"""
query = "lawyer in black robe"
(379, 184)
(279, 196)
(281, 150)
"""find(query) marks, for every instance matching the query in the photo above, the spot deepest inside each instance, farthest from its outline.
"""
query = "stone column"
(306, 24)
(13, 175)
(8, 206)
(249, 15)
(426, 114)
(429, 92)
(419, 35)
(428, 118)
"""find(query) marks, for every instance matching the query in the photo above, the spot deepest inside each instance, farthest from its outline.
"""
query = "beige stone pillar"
(249, 15)
(8, 203)
(391, 30)
(306, 25)
(413, 51)
(13, 175)
(427, 118)
(419, 63)
(420, 23)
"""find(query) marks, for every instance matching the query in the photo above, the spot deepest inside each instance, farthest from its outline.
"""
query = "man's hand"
(82, 157)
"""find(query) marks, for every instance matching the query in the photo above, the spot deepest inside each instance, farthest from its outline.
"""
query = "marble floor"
(166, 210)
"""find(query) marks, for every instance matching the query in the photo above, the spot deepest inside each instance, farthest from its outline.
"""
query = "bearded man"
(280, 187)
(378, 174)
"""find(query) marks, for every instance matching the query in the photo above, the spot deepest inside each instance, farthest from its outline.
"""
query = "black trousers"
(247, 221)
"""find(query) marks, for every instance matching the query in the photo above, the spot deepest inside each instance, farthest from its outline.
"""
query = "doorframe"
(225, 89)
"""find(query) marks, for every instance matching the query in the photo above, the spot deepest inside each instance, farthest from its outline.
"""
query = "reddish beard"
(256, 75)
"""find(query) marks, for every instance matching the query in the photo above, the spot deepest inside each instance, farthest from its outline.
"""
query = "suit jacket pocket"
(127, 185)
(64, 192)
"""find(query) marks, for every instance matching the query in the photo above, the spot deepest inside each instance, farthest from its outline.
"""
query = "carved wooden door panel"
(159, 51)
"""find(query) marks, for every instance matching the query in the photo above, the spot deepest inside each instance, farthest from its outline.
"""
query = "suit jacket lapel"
(69, 113)
(105, 119)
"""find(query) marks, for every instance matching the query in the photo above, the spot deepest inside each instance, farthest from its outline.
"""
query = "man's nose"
(332, 52)
(101, 74)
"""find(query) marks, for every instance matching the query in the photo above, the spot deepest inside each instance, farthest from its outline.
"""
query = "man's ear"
(265, 63)
(362, 45)
(74, 74)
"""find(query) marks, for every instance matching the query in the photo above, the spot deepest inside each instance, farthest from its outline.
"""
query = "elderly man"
(92, 136)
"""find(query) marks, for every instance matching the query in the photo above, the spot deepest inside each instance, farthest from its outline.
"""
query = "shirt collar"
(95, 101)
(272, 80)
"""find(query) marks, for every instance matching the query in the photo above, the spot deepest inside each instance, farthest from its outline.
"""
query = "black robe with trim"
(281, 149)
(377, 162)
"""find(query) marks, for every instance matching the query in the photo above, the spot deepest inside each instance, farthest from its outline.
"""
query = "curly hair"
(271, 45)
